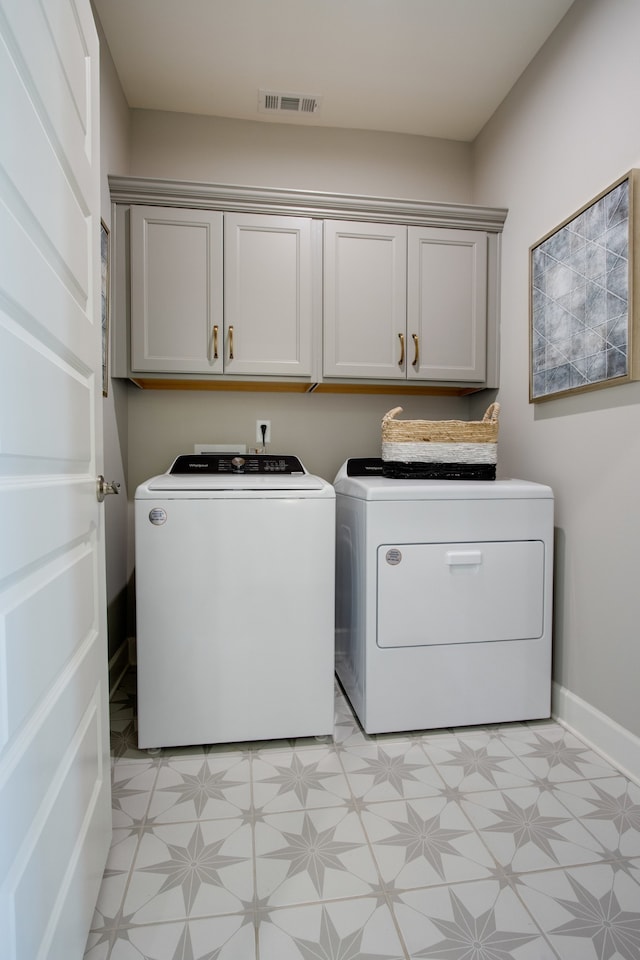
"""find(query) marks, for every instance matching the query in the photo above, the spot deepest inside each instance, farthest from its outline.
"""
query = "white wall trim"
(618, 745)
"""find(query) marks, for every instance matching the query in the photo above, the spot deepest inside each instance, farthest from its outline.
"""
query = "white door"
(54, 754)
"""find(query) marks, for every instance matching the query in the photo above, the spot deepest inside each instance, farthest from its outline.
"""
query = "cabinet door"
(176, 290)
(447, 304)
(365, 282)
(267, 295)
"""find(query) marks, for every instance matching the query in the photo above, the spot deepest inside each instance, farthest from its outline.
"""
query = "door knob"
(103, 488)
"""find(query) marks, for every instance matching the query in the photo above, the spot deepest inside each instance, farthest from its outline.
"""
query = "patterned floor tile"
(95, 948)
(124, 738)
(609, 809)
(190, 870)
(555, 755)
(348, 930)
(202, 788)
(308, 855)
(529, 829)
(132, 783)
(425, 841)
(500, 842)
(108, 912)
(470, 921)
(477, 761)
(300, 778)
(387, 771)
(588, 913)
(215, 938)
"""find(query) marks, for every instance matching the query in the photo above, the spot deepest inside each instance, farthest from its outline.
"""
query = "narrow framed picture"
(583, 309)
(104, 304)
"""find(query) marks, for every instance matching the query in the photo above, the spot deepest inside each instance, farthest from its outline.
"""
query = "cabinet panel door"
(176, 290)
(447, 304)
(365, 282)
(267, 295)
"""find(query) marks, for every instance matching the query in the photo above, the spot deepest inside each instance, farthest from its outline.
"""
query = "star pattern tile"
(385, 771)
(190, 866)
(476, 936)
(315, 854)
(309, 778)
(530, 829)
(425, 841)
(586, 911)
(425, 838)
(312, 851)
(470, 921)
(200, 789)
(528, 825)
(510, 842)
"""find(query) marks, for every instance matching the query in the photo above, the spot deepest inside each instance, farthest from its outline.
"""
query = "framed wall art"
(583, 311)
(104, 304)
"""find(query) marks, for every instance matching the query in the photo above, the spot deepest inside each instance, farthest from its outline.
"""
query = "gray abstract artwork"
(580, 299)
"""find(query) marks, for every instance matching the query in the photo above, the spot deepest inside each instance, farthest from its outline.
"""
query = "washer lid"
(176, 482)
(372, 486)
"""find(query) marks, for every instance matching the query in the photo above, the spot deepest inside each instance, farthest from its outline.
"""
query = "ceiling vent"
(291, 103)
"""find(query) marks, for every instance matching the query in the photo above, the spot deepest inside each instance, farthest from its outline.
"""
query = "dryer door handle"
(455, 558)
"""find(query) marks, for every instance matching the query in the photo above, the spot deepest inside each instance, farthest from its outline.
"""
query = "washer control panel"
(215, 463)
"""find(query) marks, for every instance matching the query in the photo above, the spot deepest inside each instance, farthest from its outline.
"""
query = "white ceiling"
(436, 68)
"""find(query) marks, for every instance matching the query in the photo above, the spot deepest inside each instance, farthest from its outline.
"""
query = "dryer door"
(443, 593)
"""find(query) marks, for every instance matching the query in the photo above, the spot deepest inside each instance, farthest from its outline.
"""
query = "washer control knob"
(238, 463)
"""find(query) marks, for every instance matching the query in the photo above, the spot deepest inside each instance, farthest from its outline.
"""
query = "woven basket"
(442, 449)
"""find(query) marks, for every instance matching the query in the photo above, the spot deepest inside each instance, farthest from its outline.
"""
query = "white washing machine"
(235, 560)
(443, 599)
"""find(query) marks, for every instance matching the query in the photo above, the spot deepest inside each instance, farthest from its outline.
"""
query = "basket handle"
(492, 413)
(391, 414)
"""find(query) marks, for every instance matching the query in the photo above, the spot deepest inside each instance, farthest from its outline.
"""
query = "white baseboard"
(619, 746)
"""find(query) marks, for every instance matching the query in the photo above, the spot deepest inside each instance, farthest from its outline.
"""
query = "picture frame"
(104, 303)
(583, 303)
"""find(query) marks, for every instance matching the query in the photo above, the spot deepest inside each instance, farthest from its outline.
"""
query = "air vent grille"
(269, 102)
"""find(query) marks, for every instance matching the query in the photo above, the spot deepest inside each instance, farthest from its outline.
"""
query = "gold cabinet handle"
(231, 343)
(401, 338)
(214, 337)
(416, 344)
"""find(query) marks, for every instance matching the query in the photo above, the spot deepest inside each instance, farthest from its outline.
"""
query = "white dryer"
(443, 599)
(235, 561)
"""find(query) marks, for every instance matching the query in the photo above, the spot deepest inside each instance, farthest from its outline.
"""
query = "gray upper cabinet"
(446, 305)
(404, 303)
(176, 290)
(224, 284)
(365, 300)
(215, 293)
(267, 295)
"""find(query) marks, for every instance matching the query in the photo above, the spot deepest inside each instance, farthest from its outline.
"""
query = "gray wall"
(217, 150)
(567, 130)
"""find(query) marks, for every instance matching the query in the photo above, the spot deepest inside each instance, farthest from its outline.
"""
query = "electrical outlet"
(267, 436)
